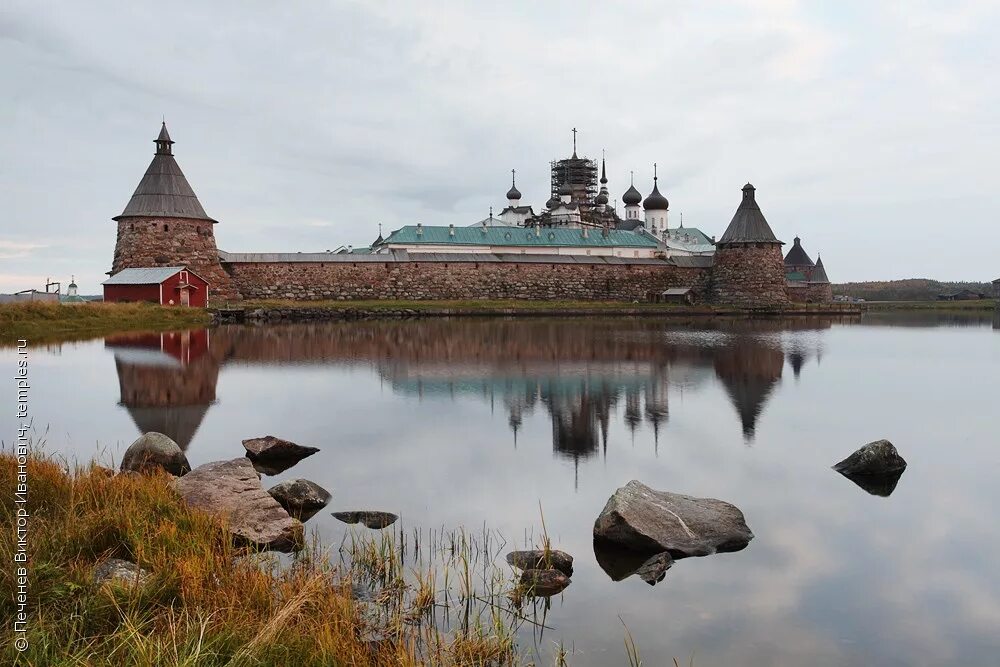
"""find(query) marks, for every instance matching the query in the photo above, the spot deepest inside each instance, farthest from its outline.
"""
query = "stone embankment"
(270, 314)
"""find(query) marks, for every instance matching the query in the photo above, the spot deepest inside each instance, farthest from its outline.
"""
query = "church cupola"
(656, 206)
(565, 193)
(513, 195)
(632, 198)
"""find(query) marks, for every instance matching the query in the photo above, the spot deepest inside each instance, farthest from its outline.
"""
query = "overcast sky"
(869, 129)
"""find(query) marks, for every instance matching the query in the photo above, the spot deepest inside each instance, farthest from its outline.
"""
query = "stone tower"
(164, 224)
(749, 270)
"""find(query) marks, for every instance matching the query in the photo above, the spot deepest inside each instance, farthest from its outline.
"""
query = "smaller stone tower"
(749, 270)
(164, 224)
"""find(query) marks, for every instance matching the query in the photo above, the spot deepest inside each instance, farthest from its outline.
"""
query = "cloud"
(854, 122)
(16, 250)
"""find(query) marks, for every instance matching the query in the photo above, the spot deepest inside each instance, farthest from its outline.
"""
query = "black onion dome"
(552, 203)
(513, 193)
(602, 198)
(655, 201)
(565, 189)
(632, 197)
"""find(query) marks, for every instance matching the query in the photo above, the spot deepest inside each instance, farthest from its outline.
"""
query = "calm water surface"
(473, 422)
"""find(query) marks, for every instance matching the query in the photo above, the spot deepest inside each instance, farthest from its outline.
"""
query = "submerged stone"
(538, 559)
(370, 519)
(271, 448)
(544, 583)
(644, 520)
(232, 491)
(620, 563)
(300, 497)
(153, 451)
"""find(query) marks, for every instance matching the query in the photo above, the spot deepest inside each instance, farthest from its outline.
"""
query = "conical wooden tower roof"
(748, 224)
(163, 191)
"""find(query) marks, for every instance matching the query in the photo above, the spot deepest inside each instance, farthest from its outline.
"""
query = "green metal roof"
(795, 275)
(518, 236)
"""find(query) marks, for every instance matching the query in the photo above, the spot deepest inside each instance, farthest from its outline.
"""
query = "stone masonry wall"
(460, 280)
(749, 275)
(147, 242)
(811, 293)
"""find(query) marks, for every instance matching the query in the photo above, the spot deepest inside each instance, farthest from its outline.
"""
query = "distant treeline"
(912, 289)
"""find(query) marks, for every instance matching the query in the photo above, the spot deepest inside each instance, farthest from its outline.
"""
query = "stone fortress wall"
(460, 280)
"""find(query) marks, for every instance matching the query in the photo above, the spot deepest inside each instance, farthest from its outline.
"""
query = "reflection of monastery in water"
(583, 374)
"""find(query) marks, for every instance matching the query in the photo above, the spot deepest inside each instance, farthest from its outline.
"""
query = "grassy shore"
(43, 322)
(942, 306)
(209, 603)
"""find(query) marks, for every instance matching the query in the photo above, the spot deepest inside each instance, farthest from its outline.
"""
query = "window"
(166, 228)
(184, 276)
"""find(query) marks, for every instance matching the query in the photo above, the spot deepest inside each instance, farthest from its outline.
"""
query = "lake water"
(476, 422)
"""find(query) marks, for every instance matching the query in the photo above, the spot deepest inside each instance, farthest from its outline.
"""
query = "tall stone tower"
(164, 224)
(749, 270)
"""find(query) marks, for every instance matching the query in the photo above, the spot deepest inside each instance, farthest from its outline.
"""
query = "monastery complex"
(576, 247)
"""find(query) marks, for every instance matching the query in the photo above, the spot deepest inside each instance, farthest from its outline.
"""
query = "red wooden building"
(165, 285)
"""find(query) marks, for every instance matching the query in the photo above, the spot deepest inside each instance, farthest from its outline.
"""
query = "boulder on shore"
(875, 458)
(270, 448)
(647, 521)
(120, 572)
(154, 450)
(300, 497)
(538, 559)
(232, 491)
(544, 583)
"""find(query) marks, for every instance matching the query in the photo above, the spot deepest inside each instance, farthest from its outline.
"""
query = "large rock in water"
(154, 450)
(875, 458)
(300, 497)
(270, 448)
(232, 490)
(642, 519)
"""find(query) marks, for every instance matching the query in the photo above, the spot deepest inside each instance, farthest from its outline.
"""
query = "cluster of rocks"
(269, 519)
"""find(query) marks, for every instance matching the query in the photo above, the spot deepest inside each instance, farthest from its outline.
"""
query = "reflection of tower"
(749, 370)
(167, 381)
(797, 359)
(579, 413)
(633, 415)
(657, 410)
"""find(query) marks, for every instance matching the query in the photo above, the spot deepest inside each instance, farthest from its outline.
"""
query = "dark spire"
(602, 196)
(748, 224)
(819, 272)
(655, 201)
(574, 142)
(797, 255)
(163, 141)
(163, 191)
(513, 193)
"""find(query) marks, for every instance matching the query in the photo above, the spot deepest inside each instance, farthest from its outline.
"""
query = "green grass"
(42, 322)
(973, 305)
